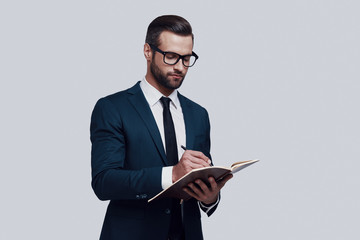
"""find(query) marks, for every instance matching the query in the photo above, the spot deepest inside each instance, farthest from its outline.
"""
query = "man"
(137, 136)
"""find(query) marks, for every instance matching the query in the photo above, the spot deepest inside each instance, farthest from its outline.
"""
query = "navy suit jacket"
(127, 159)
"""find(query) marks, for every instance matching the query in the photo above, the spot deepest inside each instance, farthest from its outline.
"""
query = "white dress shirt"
(152, 96)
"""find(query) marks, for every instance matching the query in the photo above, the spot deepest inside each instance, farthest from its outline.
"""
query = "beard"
(164, 79)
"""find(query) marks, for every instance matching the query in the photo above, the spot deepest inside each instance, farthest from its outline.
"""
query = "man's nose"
(179, 66)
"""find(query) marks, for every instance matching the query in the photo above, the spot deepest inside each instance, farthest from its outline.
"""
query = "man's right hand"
(190, 160)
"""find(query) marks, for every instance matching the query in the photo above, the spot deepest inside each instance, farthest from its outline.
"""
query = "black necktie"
(170, 136)
(176, 231)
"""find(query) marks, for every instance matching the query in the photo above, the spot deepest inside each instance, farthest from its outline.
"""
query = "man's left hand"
(207, 195)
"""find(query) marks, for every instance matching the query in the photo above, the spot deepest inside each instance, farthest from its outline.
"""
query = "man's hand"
(208, 195)
(190, 160)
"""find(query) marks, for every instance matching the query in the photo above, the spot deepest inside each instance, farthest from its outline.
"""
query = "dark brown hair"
(172, 23)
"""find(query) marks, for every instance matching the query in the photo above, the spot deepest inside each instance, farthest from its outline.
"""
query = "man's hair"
(172, 23)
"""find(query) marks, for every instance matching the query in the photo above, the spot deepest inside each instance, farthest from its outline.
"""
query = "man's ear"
(147, 52)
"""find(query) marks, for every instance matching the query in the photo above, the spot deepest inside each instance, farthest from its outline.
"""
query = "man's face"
(171, 76)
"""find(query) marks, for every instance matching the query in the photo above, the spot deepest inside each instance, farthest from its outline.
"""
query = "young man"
(136, 139)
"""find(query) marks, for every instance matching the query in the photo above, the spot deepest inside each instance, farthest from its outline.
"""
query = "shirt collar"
(153, 95)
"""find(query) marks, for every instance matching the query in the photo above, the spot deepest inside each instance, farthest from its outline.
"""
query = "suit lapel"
(188, 119)
(137, 99)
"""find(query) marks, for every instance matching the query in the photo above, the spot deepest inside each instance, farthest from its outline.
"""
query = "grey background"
(280, 80)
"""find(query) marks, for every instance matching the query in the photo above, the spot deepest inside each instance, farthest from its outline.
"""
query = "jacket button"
(167, 211)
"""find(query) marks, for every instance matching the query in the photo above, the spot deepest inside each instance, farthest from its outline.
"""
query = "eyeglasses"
(172, 58)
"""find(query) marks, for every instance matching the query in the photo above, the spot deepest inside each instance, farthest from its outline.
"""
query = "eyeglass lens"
(173, 58)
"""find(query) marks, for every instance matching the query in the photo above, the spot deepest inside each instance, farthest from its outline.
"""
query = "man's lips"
(176, 75)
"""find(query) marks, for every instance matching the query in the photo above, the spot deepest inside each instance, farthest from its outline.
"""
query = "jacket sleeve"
(110, 179)
(209, 210)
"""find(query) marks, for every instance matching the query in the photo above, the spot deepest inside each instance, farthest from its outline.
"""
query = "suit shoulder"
(114, 97)
(119, 97)
(191, 103)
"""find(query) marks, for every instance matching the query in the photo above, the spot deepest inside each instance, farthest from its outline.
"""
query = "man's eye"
(171, 56)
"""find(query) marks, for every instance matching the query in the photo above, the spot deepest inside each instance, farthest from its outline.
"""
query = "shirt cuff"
(208, 208)
(166, 177)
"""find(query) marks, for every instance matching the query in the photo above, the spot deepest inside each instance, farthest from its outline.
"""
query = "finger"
(194, 163)
(191, 193)
(197, 165)
(196, 190)
(222, 182)
(200, 161)
(213, 183)
(200, 155)
(195, 156)
(189, 165)
(204, 188)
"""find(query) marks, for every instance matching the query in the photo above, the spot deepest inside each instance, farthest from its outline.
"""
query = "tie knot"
(165, 102)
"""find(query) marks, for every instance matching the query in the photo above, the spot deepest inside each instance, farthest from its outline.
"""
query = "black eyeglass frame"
(179, 56)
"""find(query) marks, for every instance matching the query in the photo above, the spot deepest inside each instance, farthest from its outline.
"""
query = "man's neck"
(152, 81)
